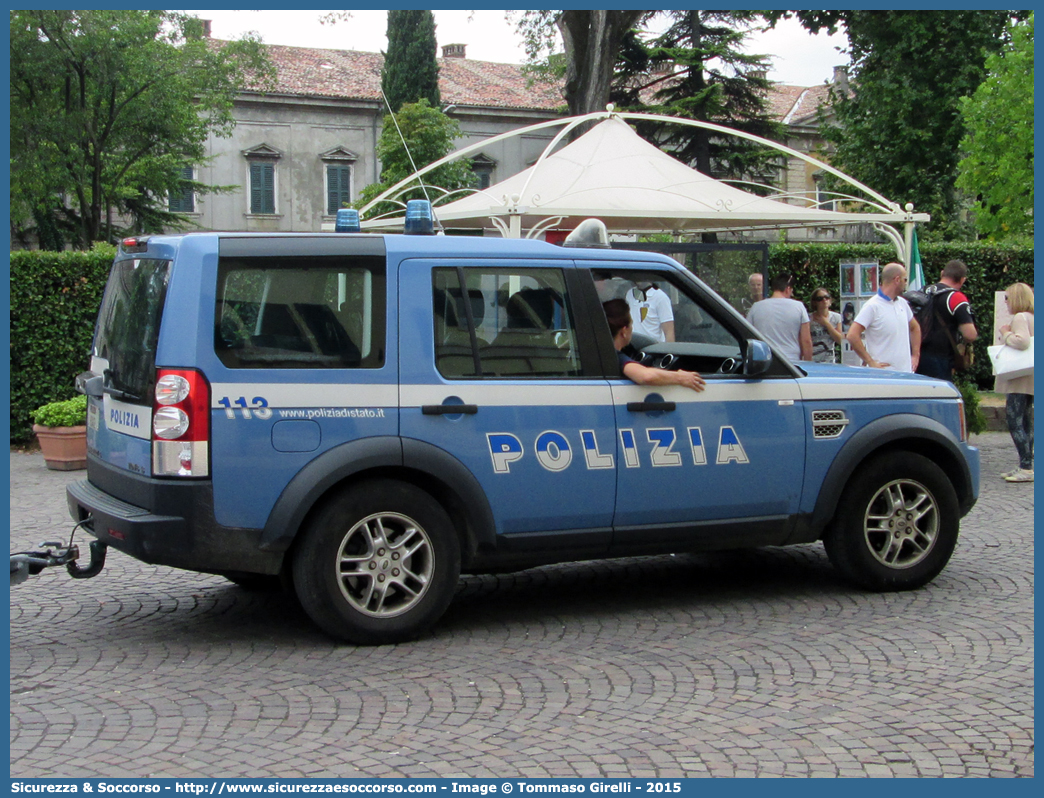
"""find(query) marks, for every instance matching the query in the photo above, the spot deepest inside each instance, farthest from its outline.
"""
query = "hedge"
(991, 267)
(55, 298)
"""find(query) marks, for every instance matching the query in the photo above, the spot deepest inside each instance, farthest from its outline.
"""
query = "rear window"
(129, 323)
(313, 312)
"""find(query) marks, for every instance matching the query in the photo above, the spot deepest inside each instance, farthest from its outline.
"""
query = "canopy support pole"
(908, 241)
(908, 230)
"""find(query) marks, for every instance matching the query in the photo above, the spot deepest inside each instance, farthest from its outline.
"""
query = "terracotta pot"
(64, 448)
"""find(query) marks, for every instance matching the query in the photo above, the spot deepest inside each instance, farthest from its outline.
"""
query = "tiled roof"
(785, 103)
(803, 102)
(781, 99)
(466, 82)
(352, 74)
(311, 72)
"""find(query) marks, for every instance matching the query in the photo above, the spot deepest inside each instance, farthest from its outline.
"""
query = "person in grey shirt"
(783, 320)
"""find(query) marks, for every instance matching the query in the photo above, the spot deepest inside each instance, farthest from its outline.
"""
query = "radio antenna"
(409, 155)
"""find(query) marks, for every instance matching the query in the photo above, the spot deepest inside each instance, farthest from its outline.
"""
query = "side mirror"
(758, 358)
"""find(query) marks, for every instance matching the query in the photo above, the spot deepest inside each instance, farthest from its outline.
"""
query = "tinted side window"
(514, 323)
(307, 312)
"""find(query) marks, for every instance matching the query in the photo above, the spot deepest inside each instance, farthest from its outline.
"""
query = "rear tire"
(378, 563)
(896, 525)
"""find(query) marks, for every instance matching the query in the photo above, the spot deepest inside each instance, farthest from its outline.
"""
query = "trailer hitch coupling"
(29, 563)
(93, 568)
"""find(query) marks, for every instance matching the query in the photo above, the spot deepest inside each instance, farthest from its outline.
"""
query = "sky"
(800, 59)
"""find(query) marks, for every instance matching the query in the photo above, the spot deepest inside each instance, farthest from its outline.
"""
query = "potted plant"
(61, 429)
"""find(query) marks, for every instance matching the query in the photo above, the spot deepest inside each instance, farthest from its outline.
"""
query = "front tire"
(896, 525)
(377, 564)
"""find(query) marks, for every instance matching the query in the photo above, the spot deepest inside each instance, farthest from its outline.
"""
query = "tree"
(606, 59)
(429, 135)
(410, 71)
(592, 42)
(998, 165)
(900, 129)
(107, 108)
(707, 78)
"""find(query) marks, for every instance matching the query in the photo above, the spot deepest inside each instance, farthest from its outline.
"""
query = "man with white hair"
(756, 290)
(893, 337)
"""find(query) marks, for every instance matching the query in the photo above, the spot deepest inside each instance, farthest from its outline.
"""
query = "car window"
(694, 320)
(321, 312)
(701, 337)
(129, 324)
(513, 323)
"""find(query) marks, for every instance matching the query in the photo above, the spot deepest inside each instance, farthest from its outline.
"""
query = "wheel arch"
(900, 432)
(417, 463)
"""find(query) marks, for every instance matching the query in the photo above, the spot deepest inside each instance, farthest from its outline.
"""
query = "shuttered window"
(262, 187)
(338, 188)
(183, 200)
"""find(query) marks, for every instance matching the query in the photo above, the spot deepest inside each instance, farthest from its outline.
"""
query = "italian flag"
(916, 276)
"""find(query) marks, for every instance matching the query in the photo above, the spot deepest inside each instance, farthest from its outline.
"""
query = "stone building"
(799, 108)
(306, 146)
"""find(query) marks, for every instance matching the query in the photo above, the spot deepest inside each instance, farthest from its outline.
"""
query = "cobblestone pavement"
(739, 664)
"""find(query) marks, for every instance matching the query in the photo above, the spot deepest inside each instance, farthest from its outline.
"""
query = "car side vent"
(828, 423)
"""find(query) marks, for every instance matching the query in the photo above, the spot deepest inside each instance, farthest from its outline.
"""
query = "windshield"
(129, 323)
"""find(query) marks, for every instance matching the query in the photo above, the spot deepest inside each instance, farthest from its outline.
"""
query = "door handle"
(448, 410)
(647, 407)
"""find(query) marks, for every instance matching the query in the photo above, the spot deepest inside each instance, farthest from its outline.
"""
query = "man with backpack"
(946, 321)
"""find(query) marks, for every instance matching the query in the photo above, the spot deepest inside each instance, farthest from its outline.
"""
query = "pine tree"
(696, 70)
(410, 71)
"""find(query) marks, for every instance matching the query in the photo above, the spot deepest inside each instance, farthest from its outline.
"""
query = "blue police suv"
(365, 417)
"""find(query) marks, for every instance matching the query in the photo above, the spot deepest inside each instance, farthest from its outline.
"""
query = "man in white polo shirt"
(651, 311)
(893, 337)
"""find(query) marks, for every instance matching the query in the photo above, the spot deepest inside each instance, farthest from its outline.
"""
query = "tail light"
(181, 424)
(134, 244)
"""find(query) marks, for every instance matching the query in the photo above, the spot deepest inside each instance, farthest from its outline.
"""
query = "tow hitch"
(29, 563)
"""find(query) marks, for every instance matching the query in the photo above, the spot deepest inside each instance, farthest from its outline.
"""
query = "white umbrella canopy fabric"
(612, 174)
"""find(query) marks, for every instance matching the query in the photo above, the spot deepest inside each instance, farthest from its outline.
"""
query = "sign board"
(858, 284)
(1001, 315)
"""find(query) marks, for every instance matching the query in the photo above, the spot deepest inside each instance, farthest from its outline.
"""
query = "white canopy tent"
(612, 174)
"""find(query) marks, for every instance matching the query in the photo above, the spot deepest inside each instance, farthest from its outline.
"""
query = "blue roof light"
(419, 218)
(347, 221)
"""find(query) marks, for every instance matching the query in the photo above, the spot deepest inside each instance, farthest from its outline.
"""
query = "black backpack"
(924, 308)
(928, 313)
